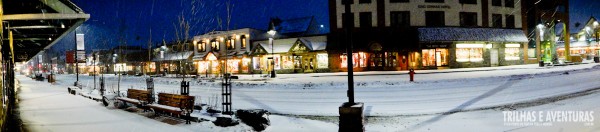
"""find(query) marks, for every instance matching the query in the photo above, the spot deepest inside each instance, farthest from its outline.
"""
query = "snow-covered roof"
(294, 25)
(573, 44)
(315, 42)
(438, 34)
(175, 56)
(281, 45)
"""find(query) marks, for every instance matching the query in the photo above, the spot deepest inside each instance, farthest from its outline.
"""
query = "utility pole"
(351, 113)
(348, 30)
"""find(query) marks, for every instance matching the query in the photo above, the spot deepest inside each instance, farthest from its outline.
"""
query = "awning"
(38, 24)
(175, 56)
(574, 44)
(446, 34)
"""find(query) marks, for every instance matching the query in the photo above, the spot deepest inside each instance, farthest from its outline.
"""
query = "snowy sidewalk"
(45, 107)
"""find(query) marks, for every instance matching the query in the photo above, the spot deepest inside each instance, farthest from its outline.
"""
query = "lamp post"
(272, 32)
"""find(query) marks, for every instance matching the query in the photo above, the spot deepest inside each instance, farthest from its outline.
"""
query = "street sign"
(70, 57)
(80, 56)
(80, 42)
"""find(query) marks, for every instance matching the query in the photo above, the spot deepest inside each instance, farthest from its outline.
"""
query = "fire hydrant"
(411, 72)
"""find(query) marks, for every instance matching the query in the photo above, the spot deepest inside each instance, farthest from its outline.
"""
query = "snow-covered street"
(467, 99)
(389, 94)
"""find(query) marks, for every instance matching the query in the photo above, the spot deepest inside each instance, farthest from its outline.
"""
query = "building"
(584, 43)
(173, 58)
(425, 34)
(220, 51)
(291, 55)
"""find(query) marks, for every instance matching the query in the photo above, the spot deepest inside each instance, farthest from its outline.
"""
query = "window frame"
(497, 3)
(510, 21)
(399, 1)
(243, 41)
(464, 15)
(345, 21)
(435, 1)
(467, 2)
(369, 21)
(507, 3)
(215, 45)
(230, 43)
(397, 14)
(496, 21)
(435, 23)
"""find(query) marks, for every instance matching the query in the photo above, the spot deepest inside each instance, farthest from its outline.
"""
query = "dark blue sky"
(116, 21)
(113, 21)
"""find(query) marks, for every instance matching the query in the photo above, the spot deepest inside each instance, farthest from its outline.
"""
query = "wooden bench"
(174, 104)
(136, 97)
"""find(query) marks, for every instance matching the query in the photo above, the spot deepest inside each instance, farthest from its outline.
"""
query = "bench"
(139, 98)
(174, 104)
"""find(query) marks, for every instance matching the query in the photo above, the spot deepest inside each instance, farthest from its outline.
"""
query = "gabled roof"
(295, 25)
(315, 42)
(444, 34)
(280, 45)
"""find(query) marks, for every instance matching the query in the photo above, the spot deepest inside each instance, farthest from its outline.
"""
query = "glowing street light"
(272, 32)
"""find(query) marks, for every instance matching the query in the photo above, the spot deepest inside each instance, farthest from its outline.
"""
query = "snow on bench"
(136, 97)
(170, 108)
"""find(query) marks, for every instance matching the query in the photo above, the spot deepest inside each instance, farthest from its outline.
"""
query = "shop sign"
(436, 46)
(434, 6)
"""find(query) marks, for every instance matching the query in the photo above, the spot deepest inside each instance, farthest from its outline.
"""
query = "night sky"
(117, 21)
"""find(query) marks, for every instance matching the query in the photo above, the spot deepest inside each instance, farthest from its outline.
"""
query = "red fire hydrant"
(411, 72)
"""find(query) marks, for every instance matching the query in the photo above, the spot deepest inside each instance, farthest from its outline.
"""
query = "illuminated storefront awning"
(448, 34)
(575, 44)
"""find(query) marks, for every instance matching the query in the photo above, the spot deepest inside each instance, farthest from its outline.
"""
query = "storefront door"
(297, 64)
(494, 57)
(438, 58)
(435, 57)
(377, 61)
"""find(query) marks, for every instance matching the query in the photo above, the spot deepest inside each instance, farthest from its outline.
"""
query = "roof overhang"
(37, 25)
(450, 34)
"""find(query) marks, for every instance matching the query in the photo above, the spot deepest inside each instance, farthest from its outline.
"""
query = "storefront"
(586, 49)
(435, 55)
(175, 63)
(292, 55)
(374, 58)
(470, 47)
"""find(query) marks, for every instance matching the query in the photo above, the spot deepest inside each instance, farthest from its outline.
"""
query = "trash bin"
(541, 63)
(596, 59)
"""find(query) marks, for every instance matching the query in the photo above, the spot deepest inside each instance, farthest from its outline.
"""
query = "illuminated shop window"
(469, 52)
(435, 57)
(391, 59)
(511, 51)
(233, 65)
(358, 59)
(256, 63)
(288, 62)
(322, 61)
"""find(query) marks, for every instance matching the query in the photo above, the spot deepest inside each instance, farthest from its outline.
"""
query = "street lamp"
(272, 32)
